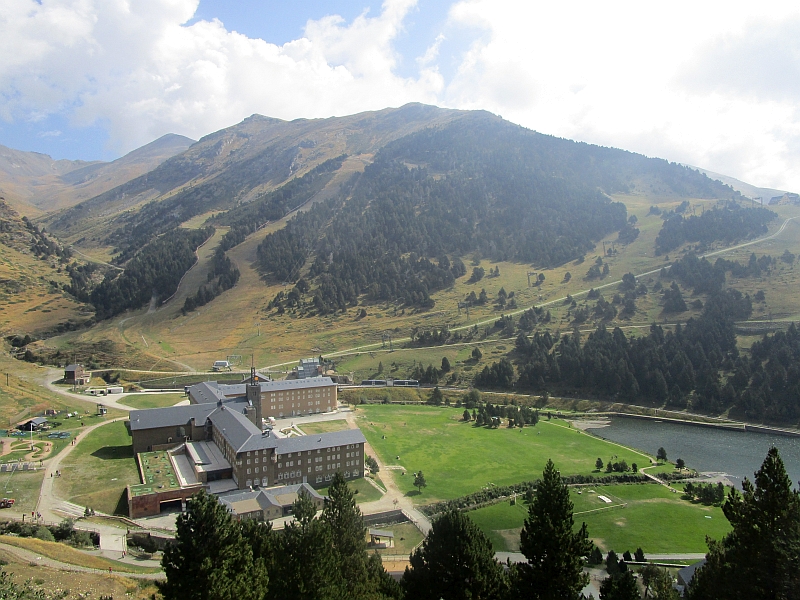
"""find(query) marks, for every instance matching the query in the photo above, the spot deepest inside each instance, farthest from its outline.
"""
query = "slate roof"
(211, 391)
(244, 501)
(322, 440)
(231, 422)
(73, 367)
(153, 418)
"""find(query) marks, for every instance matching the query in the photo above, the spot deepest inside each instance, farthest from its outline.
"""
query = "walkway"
(34, 558)
(394, 498)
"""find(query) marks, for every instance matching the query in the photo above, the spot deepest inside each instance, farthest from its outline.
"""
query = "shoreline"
(600, 420)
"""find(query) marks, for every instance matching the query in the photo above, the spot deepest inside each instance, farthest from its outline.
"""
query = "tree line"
(222, 276)
(727, 222)
(155, 271)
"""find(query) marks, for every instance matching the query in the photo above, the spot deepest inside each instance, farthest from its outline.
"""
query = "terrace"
(157, 473)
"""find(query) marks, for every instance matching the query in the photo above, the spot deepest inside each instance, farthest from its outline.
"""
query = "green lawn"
(406, 538)
(99, 468)
(361, 488)
(458, 458)
(646, 515)
(24, 487)
(152, 400)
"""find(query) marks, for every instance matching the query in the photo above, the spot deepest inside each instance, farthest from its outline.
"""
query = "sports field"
(458, 458)
(646, 515)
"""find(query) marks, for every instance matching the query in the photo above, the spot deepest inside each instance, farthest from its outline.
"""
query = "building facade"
(278, 399)
(215, 442)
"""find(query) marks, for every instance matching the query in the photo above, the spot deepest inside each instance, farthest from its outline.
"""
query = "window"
(249, 482)
(248, 471)
(256, 469)
(280, 465)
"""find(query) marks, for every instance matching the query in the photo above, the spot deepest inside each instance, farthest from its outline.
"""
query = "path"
(37, 559)
(394, 498)
(53, 509)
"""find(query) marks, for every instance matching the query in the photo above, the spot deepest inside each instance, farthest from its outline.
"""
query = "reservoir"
(737, 453)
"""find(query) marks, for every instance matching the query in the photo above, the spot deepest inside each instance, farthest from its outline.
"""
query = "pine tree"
(456, 561)
(760, 558)
(419, 481)
(348, 533)
(620, 587)
(209, 560)
(308, 569)
(555, 553)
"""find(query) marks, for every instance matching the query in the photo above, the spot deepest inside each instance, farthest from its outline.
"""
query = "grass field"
(647, 516)
(152, 400)
(458, 458)
(80, 585)
(362, 490)
(99, 469)
(67, 554)
(406, 538)
(24, 488)
(324, 426)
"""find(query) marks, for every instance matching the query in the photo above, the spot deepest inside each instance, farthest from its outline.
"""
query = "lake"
(737, 453)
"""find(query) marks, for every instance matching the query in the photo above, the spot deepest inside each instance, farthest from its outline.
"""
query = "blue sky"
(714, 84)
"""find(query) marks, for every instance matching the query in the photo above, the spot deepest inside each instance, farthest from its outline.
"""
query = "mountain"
(233, 166)
(379, 196)
(35, 183)
(746, 189)
(32, 299)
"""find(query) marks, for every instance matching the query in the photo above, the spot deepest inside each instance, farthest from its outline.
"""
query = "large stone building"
(278, 399)
(221, 444)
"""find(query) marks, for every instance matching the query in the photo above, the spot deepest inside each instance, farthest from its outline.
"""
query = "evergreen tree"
(760, 558)
(456, 561)
(467, 415)
(308, 568)
(209, 559)
(599, 464)
(436, 396)
(445, 365)
(419, 481)
(620, 587)
(348, 533)
(554, 551)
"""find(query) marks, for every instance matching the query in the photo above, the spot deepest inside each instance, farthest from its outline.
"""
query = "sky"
(712, 84)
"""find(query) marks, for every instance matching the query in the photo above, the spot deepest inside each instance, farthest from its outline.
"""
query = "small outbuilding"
(76, 374)
(35, 424)
(381, 538)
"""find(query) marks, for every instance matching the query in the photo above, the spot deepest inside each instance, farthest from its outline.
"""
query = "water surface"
(737, 453)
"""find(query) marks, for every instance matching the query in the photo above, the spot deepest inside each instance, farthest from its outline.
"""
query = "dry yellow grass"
(70, 555)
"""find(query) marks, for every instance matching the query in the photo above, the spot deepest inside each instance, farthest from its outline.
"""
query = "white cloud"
(139, 68)
(713, 84)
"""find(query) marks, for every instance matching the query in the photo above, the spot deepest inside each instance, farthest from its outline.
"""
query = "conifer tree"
(346, 524)
(554, 569)
(209, 560)
(456, 561)
(760, 558)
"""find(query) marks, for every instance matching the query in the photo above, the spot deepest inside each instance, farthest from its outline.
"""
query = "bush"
(81, 539)
(44, 534)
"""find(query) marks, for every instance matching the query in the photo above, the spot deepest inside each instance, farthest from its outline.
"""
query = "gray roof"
(686, 574)
(322, 440)
(267, 497)
(211, 391)
(73, 367)
(230, 420)
(153, 418)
